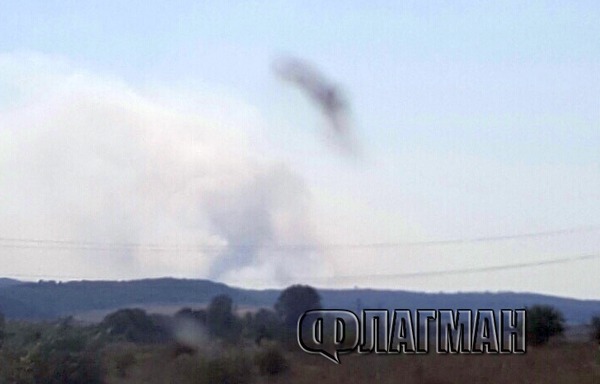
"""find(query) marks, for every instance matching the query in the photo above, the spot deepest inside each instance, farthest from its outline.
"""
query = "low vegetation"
(215, 345)
(543, 322)
(596, 329)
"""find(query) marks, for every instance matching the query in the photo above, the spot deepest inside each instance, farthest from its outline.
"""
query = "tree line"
(66, 351)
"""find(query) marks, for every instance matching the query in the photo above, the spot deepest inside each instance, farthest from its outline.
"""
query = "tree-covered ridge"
(47, 299)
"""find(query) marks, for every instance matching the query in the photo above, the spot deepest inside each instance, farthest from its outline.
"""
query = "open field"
(566, 363)
(557, 363)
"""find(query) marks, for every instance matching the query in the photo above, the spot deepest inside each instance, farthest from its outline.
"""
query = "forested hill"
(4, 282)
(47, 299)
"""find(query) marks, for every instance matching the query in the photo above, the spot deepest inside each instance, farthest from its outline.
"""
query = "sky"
(144, 139)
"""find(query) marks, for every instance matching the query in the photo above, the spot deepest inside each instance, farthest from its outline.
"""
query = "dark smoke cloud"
(327, 96)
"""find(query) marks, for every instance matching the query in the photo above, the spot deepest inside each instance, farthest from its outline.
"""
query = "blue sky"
(473, 119)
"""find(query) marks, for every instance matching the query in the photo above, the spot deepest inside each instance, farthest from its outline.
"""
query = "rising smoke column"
(263, 211)
(156, 188)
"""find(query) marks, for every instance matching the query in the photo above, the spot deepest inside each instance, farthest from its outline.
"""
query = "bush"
(190, 314)
(136, 326)
(64, 367)
(123, 362)
(14, 368)
(2, 326)
(264, 325)
(221, 321)
(596, 328)
(543, 322)
(186, 369)
(271, 361)
(233, 369)
(64, 353)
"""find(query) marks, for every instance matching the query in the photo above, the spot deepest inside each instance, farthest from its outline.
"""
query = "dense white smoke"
(136, 187)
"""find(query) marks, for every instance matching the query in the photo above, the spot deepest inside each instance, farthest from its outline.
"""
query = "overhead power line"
(53, 244)
(408, 275)
(462, 271)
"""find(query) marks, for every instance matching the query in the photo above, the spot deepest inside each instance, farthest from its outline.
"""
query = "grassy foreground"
(558, 363)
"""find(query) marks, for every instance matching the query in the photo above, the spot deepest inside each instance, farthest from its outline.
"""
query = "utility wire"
(52, 244)
(408, 275)
(462, 271)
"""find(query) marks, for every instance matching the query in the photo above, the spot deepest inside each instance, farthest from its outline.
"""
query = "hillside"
(4, 282)
(51, 299)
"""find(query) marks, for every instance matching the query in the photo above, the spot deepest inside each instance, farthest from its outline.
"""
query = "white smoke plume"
(139, 187)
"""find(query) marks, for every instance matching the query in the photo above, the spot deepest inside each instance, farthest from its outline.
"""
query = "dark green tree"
(543, 322)
(294, 301)
(271, 361)
(65, 353)
(2, 326)
(66, 367)
(263, 325)
(221, 321)
(135, 325)
(190, 314)
(596, 328)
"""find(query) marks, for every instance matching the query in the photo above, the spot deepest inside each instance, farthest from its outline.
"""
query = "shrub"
(135, 325)
(187, 369)
(596, 328)
(2, 326)
(264, 325)
(271, 361)
(123, 362)
(65, 367)
(232, 369)
(543, 322)
(190, 314)
(221, 321)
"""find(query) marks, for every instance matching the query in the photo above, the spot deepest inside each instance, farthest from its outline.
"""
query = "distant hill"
(48, 299)
(575, 311)
(4, 282)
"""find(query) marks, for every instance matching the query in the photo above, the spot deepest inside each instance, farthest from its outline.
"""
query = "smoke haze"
(88, 159)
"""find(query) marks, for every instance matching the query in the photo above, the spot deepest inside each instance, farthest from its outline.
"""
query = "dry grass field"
(558, 363)
(565, 363)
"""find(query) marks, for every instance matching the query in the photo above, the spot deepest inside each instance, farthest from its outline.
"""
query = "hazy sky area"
(144, 139)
